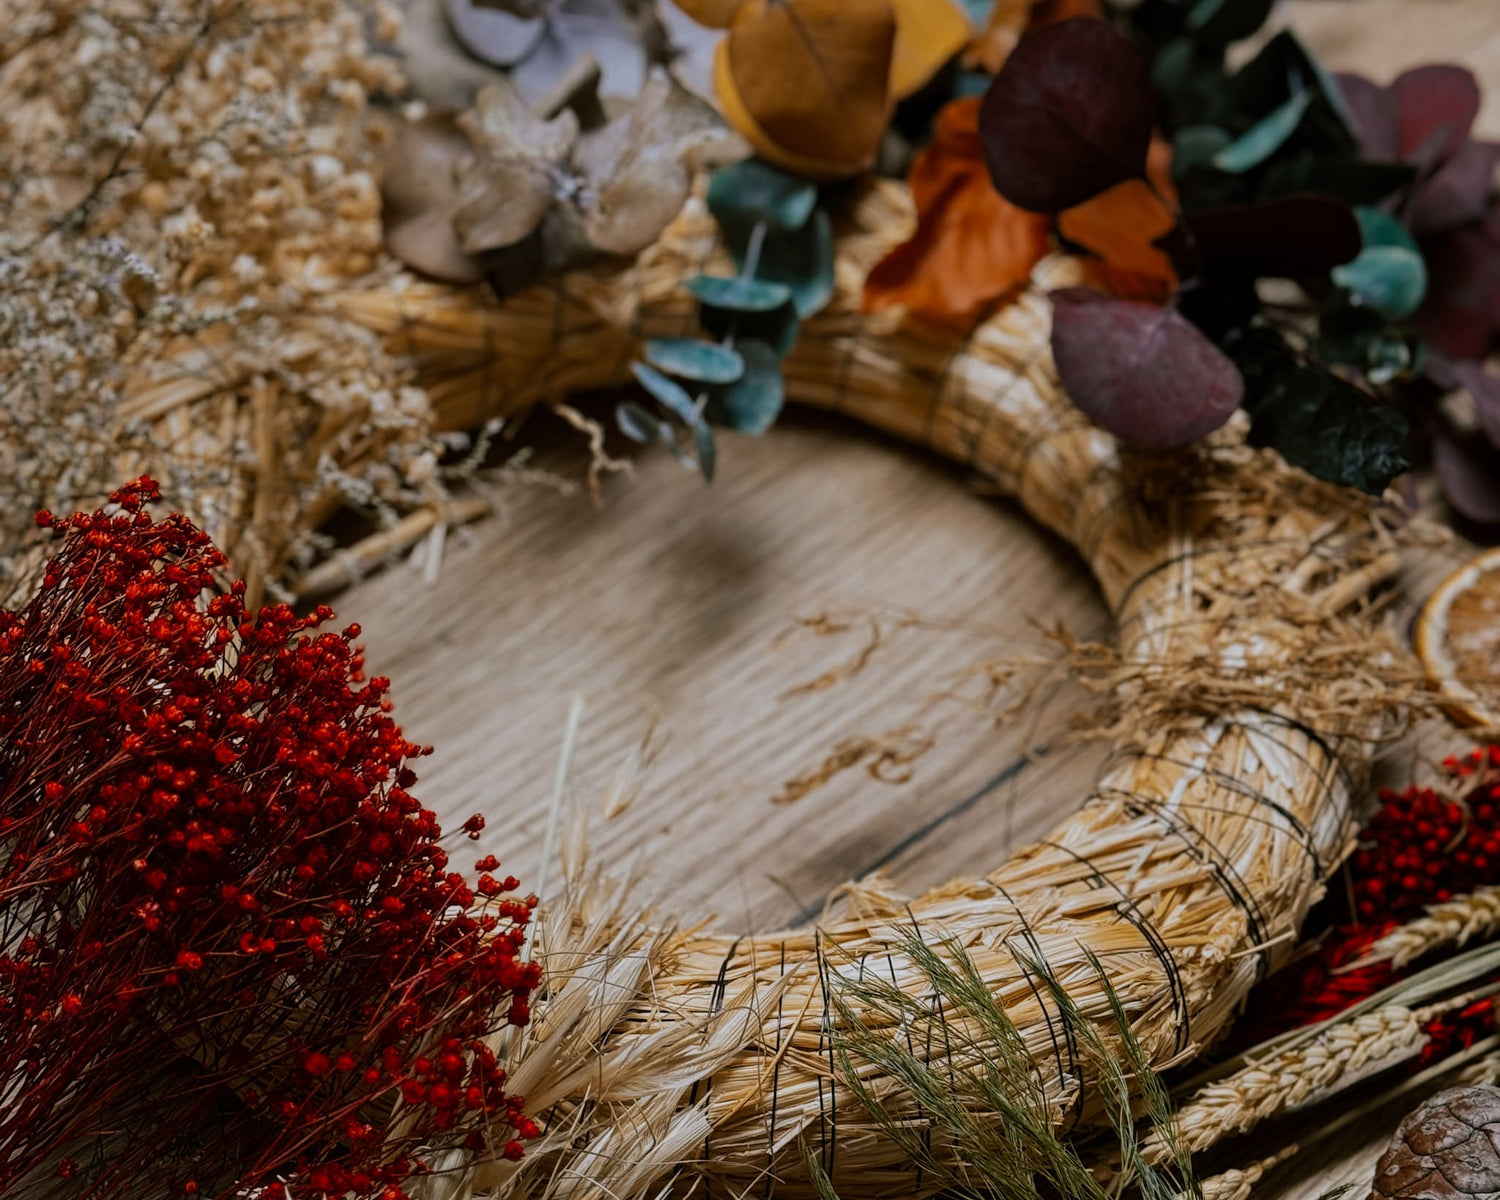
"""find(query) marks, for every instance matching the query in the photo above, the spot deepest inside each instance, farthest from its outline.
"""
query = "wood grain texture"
(684, 606)
(679, 608)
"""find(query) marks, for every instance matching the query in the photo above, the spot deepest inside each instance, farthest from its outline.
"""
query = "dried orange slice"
(1458, 640)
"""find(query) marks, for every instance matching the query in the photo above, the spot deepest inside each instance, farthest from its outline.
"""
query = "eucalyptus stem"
(752, 263)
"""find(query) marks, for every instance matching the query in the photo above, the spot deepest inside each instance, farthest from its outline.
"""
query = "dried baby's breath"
(184, 181)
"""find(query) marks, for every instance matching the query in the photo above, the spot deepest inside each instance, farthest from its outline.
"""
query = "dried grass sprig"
(973, 1086)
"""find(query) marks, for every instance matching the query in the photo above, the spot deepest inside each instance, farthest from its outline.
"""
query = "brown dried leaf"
(535, 197)
(508, 186)
(420, 189)
(1446, 1149)
(640, 166)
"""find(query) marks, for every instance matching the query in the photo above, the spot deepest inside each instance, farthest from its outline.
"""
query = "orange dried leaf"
(807, 81)
(1120, 225)
(716, 14)
(1159, 169)
(972, 248)
(928, 34)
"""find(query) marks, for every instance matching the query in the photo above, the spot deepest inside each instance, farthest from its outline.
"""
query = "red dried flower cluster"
(1419, 848)
(231, 953)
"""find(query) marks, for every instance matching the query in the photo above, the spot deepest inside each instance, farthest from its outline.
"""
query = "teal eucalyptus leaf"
(636, 423)
(1262, 84)
(1379, 228)
(695, 360)
(1217, 23)
(801, 261)
(739, 295)
(1390, 279)
(777, 328)
(1389, 275)
(671, 394)
(1265, 137)
(708, 454)
(753, 403)
(1196, 146)
(749, 192)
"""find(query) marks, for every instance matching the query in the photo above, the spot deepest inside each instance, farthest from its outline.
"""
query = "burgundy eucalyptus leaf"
(1288, 237)
(1373, 108)
(1457, 192)
(1468, 468)
(1434, 98)
(1145, 374)
(1463, 293)
(1068, 116)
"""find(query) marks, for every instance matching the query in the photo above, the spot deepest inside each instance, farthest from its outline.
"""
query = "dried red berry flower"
(229, 937)
(1420, 847)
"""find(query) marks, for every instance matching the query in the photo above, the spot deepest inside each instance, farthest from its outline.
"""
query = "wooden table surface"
(789, 677)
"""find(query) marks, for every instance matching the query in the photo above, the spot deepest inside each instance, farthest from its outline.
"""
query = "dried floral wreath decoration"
(891, 1047)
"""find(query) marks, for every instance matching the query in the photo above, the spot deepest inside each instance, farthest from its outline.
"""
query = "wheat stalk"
(1453, 923)
(1287, 1078)
(1237, 1182)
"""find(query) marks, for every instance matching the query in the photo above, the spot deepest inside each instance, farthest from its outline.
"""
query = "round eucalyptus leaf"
(1380, 228)
(1068, 116)
(1389, 279)
(699, 361)
(1196, 145)
(739, 295)
(804, 262)
(753, 403)
(753, 191)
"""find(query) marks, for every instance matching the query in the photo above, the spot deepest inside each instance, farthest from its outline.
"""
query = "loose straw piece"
(1251, 672)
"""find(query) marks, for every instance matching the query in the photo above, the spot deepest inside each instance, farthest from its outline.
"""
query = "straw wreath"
(1251, 666)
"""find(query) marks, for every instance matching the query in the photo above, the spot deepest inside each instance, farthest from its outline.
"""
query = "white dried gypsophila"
(183, 180)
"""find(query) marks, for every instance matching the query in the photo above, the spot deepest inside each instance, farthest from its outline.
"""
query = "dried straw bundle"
(1250, 666)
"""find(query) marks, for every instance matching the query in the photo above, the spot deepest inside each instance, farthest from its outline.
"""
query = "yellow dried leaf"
(928, 34)
(807, 81)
